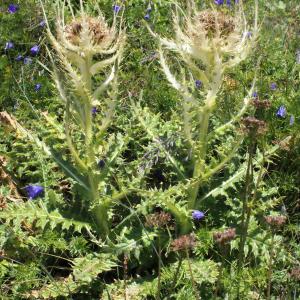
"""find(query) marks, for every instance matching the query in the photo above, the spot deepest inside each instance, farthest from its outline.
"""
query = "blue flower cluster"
(281, 112)
(148, 11)
(228, 2)
(34, 50)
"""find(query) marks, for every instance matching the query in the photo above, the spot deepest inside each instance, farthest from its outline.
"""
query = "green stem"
(270, 270)
(245, 211)
(159, 268)
(100, 210)
(192, 276)
(176, 272)
(200, 159)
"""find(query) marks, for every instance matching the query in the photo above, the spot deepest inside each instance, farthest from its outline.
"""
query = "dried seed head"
(295, 273)
(225, 236)
(251, 125)
(184, 242)
(275, 220)
(230, 83)
(158, 219)
(213, 23)
(284, 144)
(97, 30)
(260, 104)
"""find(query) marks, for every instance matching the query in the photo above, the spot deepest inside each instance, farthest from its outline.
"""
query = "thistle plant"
(207, 43)
(88, 55)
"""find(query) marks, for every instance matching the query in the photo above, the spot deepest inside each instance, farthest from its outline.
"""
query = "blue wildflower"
(33, 191)
(27, 60)
(9, 45)
(37, 87)
(292, 119)
(13, 8)
(281, 112)
(219, 2)
(298, 56)
(198, 83)
(228, 2)
(116, 8)
(101, 164)
(42, 23)
(147, 17)
(35, 50)
(248, 34)
(255, 95)
(198, 215)
(19, 57)
(149, 9)
(94, 111)
(273, 86)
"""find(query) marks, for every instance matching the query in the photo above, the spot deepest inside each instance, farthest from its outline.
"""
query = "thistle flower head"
(208, 33)
(87, 35)
(95, 29)
(218, 40)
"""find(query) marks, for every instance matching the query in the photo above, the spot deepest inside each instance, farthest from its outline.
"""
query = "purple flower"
(255, 95)
(298, 56)
(219, 2)
(35, 50)
(292, 119)
(198, 83)
(27, 60)
(94, 111)
(228, 2)
(149, 9)
(147, 17)
(37, 87)
(273, 86)
(116, 8)
(19, 57)
(42, 23)
(34, 191)
(248, 34)
(9, 45)
(198, 215)
(101, 164)
(281, 112)
(13, 8)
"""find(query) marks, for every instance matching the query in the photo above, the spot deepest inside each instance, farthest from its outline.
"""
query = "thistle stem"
(200, 158)
(270, 270)
(159, 269)
(192, 276)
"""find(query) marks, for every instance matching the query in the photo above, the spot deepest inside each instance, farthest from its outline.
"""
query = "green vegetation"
(149, 149)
